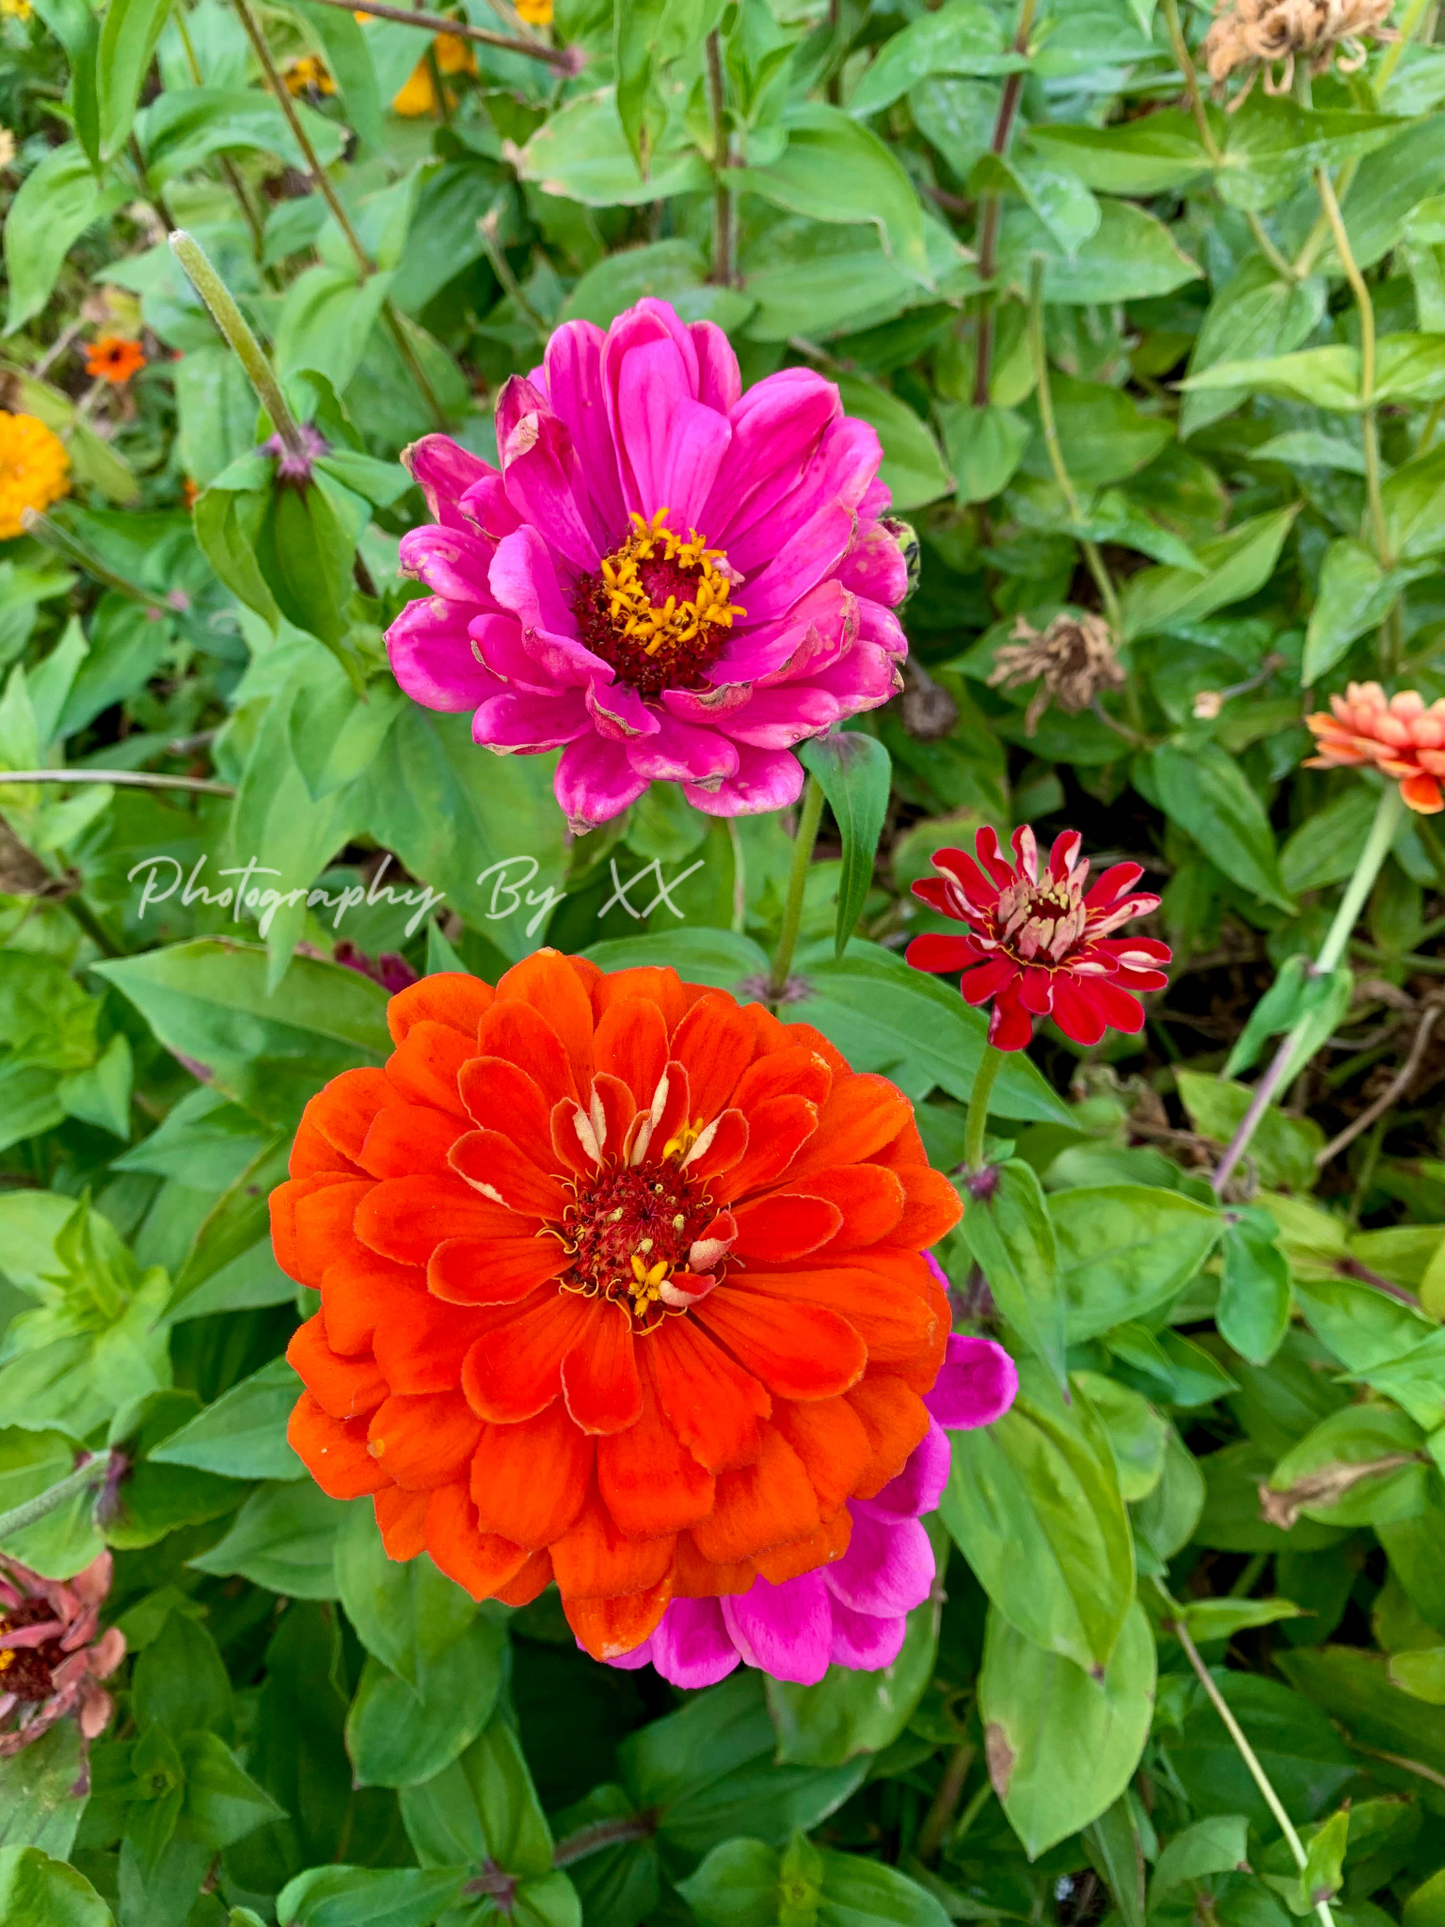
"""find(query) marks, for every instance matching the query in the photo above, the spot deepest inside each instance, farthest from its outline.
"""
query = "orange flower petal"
(407, 1218)
(712, 1404)
(931, 1210)
(523, 1036)
(820, 1548)
(343, 1110)
(768, 1503)
(493, 1165)
(869, 1200)
(425, 1065)
(423, 1343)
(450, 997)
(401, 1520)
(310, 1218)
(534, 1578)
(360, 1292)
(832, 1442)
(478, 1561)
(313, 1156)
(862, 1113)
(517, 1368)
(595, 1561)
(501, 1096)
(715, 1041)
(608, 1628)
(797, 1071)
(777, 1132)
(547, 981)
(424, 1442)
(342, 1387)
(599, 1374)
(334, 1451)
(785, 1225)
(649, 1482)
(408, 1140)
(694, 1577)
(631, 1044)
(493, 1271)
(797, 1350)
(893, 1321)
(529, 1481)
(895, 1419)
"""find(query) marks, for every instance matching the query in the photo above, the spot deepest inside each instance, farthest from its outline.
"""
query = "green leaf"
(405, 1612)
(36, 1889)
(181, 129)
(483, 1807)
(1420, 1673)
(1124, 1250)
(1353, 1687)
(1212, 1619)
(1414, 497)
(1359, 1466)
(912, 466)
(1236, 565)
(1425, 1907)
(1323, 1872)
(737, 1885)
(39, 1802)
(1033, 1503)
(961, 38)
(581, 153)
(834, 169)
(854, 772)
(1355, 594)
(1282, 1148)
(56, 202)
(1008, 1231)
(1117, 1854)
(1156, 154)
(1138, 1434)
(1254, 313)
(243, 1435)
(180, 1681)
(207, 1001)
(223, 1803)
(282, 1539)
(397, 1735)
(1217, 1845)
(128, 36)
(1293, 1739)
(745, 1883)
(1202, 789)
(368, 1897)
(1297, 993)
(1063, 1743)
(1131, 256)
(1105, 436)
(1254, 1292)
(984, 448)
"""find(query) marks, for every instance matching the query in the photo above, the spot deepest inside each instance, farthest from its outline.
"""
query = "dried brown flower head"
(53, 1654)
(1071, 660)
(1268, 36)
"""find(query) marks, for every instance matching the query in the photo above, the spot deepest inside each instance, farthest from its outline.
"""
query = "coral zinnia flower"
(1400, 735)
(676, 580)
(854, 1613)
(1042, 947)
(52, 1655)
(115, 359)
(620, 1283)
(34, 470)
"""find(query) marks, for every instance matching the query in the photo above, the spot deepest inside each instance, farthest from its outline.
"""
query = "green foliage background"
(1234, 452)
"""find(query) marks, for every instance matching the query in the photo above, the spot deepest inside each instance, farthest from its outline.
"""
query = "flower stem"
(722, 197)
(1368, 425)
(89, 1472)
(989, 208)
(1251, 1760)
(566, 62)
(602, 1834)
(1283, 1065)
(135, 779)
(809, 817)
(989, 1067)
(365, 267)
(239, 338)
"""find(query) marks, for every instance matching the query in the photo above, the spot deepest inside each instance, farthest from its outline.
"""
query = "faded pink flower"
(675, 581)
(52, 1655)
(852, 1613)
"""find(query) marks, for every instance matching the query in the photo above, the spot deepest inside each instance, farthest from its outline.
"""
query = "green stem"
(989, 1067)
(134, 779)
(1369, 427)
(990, 208)
(365, 267)
(561, 58)
(488, 228)
(1251, 1760)
(29, 1510)
(809, 817)
(722, 197)
(1092, 555)
(72, 549)
(1283, 1065)
(81, 913)
(239, 338)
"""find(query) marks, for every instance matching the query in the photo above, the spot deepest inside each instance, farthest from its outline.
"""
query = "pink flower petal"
(692, 1646)
(865, 1642)
(595, 782)
(888, 1567)
(787, 1630)
(431, 655)
(541, 472)
(443, 470)
(766, 779)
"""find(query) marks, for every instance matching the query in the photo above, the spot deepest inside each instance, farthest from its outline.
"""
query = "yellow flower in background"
(419, 96)
(34, 470)
(305, 75)
(16, 9)
(536, 13)
(7, 147)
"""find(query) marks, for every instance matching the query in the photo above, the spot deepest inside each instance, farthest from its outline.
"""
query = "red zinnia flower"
(1042, 947)
(620, 1284)
(115, 359)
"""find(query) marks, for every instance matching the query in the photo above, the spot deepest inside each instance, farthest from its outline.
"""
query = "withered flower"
(1268, 36)
(1071, 660)
(52, 1653)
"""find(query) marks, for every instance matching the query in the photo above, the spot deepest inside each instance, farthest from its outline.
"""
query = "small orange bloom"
(114, 358)
(419, 96)
(1402, 736)
(621, 1284)
(536, 13)
(307, 74)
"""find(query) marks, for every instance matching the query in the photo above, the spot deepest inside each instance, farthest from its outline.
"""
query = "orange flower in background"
(419, 95)
(34, 470)
(1402, 736)
(115, 359)
(307, 74)
(536, 13)
(620, 1285)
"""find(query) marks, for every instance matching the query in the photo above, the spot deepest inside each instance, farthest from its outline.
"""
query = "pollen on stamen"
(658, 609)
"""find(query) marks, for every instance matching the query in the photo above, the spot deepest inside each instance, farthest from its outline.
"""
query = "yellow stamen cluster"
(34, 470)
(647, 1280)
(632, 608)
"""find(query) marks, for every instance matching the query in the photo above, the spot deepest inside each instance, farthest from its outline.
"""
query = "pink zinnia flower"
(854, 1612)
(1041, 946)
(675, 581)
(52, 1653)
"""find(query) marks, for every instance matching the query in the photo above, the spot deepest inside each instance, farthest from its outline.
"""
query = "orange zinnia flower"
(1400, 735)
(114, 358)
(620, 1284)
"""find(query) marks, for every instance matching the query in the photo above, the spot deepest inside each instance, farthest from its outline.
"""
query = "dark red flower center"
(1040, 923)
(658, 609)
(26, 1671)
(629, 1229)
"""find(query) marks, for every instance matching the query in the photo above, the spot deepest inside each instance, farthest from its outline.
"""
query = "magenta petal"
(767, 779)
(888, 1567)
(866, 1642)
(779, 718)
(517, 721)
(618, 712)
(634, 1661)
(874, 566)
(919, 1486)
(809, 554)
(443, 470)
(682, 753)
(787, 1630)
(595, 782)
(573, 380)
(719, 384)
(978, 1383)
(455, 562)
(541, 472)
(523, 579)
(691, 1646)
(674, 443)
(432, 656)
(777, 428)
